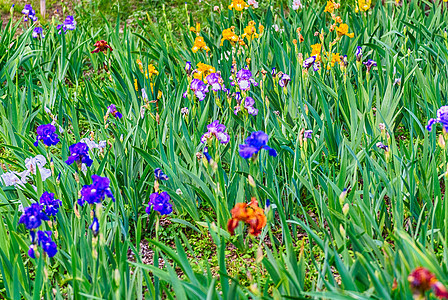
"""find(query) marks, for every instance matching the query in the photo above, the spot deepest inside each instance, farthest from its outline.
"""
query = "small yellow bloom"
(316, 49)
(335, 58)
(331, 6)
(140, 65)
(229, 35)
(136, 85)
(238, 5)
(338, 19)
(364, 5)
(250, 32)
(152, 70)
(196, 29)
(343, 30)
(203, 70)
(199, 44)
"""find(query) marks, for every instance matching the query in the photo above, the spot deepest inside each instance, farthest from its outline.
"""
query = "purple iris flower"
(96, 192)
(216, 130)
(369, 64)
(199, 88)
(254, 143)
(51, 205)
(38, 31)
(284, 80)
(45, 241)
(244, 79)
(159, 175)
(29, 12)
(308, 134)
(207, 155)
(112, 109)
(95, 226)
(46, 133)
(31, 253)
(358, 53)
(33, 216)
(442, 117)
(69, 24)
(216, 82)
(273, 72)
(382, 146)
(79, 152)
(188, 68)
(159, 202)
(344, 61)
(249, 103)
(307, 63)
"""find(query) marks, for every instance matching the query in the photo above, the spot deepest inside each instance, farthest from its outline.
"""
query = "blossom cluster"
(33, 217)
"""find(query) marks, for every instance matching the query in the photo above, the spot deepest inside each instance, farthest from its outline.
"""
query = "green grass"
(311, 246)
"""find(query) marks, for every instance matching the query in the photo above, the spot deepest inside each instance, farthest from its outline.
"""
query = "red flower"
(421, 280)
(440, 290)
(102, 46)
(251, 214)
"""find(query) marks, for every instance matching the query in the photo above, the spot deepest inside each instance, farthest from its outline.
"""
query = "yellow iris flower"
(343, 30)
(238, 5)
(199, 44)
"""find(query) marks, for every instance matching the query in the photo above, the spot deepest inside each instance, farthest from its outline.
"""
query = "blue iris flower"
(45, 241)
(33, 216)
(159, 202)
(46, 133)
(96, 192)
(254, 143)
(79, 152)
(51, 205)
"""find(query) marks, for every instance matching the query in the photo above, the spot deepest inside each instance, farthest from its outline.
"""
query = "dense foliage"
(272, 152)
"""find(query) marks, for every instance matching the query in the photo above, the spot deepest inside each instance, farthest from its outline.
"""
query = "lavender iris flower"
(216, 82)
(249, 103)
(69, 24)
(442, 117)
(188, 68)
(38, 31)
(382, 146)
(216, 130)
(199, 88)
(307, 63)
(358, 53)
(29, 12)
(244, 80)
(284, 80)
(308, 134)
(369, 64)
(112, 109)
(254, 143)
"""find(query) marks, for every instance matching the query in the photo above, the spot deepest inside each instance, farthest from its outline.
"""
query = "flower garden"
(264, 150)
